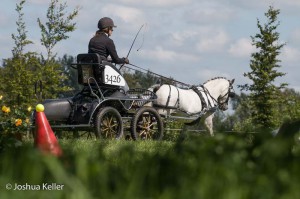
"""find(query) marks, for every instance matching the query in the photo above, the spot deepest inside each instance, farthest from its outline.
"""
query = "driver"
(103, 45)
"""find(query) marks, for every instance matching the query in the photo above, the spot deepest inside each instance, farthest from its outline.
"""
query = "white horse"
(201, 100)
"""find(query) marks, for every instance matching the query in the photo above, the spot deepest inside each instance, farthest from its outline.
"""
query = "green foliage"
(222, 167)
(287, 109)
(14, 123)
(70, 73)
(289, 106)
(53, 31)
(243, 112)
(139, 79)
(170, 134)
(16, 87)
(264, 65)
(53, 79)
(58, 25)
(223, 122)
(18, 77)
(14, 119)
(21, 72)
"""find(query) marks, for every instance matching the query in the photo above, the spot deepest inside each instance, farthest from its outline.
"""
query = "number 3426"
(112, 79)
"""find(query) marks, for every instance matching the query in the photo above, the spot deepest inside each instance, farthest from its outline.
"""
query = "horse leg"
(209, 124)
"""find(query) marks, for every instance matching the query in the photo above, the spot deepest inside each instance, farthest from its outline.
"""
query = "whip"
(133, 43)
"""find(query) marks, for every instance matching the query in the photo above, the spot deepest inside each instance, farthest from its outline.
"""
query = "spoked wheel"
(147, 125)
(108, 124)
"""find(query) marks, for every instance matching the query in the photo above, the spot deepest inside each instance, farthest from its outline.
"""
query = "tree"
(58, 25)
(53, 31)
(264, 65)
(17, 74)
(21, 39)
(243, 109)
(289, 106)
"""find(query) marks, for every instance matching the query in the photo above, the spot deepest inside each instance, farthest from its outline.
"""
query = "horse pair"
(201, 101)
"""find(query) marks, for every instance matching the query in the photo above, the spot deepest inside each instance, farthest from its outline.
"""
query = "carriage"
(108, 107)
(105, 104)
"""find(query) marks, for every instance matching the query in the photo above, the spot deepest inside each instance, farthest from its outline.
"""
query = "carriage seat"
(89, 65)
(92, 65)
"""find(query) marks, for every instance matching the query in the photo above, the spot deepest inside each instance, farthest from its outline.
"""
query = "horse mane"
(214, 79)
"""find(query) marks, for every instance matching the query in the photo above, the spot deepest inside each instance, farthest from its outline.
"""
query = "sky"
(189, 40)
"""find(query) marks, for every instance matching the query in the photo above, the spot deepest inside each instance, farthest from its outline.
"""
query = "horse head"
(221, 90)
(226, 94)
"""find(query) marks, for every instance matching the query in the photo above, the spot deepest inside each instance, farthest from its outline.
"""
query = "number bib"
(112, 77)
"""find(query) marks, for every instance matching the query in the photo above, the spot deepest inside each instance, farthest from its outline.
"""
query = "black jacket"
(104, 46)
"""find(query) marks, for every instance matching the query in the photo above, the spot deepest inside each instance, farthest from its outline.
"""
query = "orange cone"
(45, 139)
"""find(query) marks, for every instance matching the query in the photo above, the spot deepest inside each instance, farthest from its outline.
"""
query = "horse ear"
(232, 81)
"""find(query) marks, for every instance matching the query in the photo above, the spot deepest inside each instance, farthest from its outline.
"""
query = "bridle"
(230, 94)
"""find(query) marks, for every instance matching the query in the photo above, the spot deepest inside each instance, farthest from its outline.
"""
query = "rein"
(155, 74)
(193, 87)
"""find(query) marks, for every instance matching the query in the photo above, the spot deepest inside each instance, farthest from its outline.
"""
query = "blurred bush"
(226, 166)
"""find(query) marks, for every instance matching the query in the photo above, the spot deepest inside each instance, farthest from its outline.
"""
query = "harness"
(203, 102)
(208, 105)
(169, 97)
(207, 101)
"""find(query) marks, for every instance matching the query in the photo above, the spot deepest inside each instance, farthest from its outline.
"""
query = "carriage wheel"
(147, 124)
(108, 123)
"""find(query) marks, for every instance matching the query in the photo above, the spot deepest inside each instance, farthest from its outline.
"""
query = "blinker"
(231, 94)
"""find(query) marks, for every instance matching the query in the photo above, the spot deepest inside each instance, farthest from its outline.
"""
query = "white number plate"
(112, 77)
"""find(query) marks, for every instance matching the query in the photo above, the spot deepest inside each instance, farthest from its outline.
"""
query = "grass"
(226, 166)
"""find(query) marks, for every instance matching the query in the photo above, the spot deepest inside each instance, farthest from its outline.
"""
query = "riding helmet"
(105, 22)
